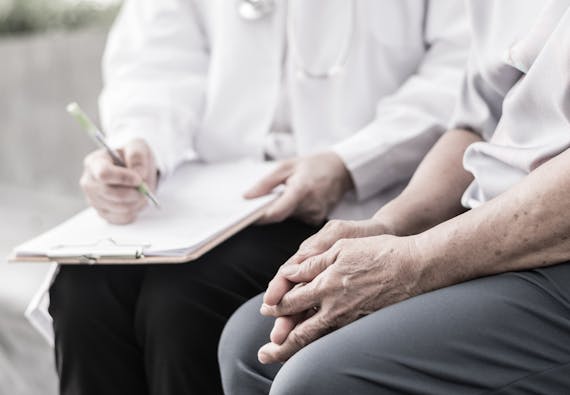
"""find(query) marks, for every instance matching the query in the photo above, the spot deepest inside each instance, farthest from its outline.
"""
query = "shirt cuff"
(370, 169)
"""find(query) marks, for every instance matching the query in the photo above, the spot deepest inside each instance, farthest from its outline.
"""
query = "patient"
(466, 288)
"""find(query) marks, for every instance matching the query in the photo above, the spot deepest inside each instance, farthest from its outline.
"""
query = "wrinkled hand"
(332, 232)
(313, 186)
(320, 242)
(354, 278)
(111, 189)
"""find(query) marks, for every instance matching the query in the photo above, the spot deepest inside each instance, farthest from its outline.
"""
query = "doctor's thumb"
(271, 181)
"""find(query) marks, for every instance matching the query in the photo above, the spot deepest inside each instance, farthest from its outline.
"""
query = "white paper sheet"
(198, 202)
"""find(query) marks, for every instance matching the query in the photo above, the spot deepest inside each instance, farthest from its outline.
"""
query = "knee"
(76, 297)
(243, 335)
(334, 364)
(177, 317)
(307, 372)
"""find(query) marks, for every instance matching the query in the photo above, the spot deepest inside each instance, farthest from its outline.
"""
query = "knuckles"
(276, 216)
(136, 158)
(341, 244)
(104, 172)
(325, 285)
(125, 179)
(299, 338)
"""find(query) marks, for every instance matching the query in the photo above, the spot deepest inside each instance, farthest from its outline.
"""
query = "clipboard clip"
(92, 253)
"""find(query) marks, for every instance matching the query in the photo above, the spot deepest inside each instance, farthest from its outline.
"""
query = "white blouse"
(516, 92)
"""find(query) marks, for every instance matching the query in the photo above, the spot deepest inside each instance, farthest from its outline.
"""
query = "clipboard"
(225, 213)
(109, 252)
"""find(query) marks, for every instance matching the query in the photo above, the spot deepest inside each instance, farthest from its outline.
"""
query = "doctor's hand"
(313, 186)
(111, 189)
(352, 279)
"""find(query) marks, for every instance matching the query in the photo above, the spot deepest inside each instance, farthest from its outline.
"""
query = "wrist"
(441, 259)
(422, 256)
(408, 267)
(385, 221)
(373, 227)
(343, 176)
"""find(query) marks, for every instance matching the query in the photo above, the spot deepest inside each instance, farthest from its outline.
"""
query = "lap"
(237, 269)
(504, 334)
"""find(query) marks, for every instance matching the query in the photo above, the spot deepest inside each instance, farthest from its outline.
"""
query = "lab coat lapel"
(242, 97)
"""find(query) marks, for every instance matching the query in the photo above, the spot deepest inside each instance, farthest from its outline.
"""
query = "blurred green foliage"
(30, 16)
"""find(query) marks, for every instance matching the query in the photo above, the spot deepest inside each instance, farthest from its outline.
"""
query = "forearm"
(434, 192)
(526, 227)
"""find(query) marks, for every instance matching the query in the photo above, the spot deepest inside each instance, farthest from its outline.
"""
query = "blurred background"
(50, 54)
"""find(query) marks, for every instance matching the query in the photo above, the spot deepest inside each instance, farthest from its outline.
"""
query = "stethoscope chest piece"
(253, 10)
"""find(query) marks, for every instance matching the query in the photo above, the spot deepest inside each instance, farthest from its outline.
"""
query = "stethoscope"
(253, 10)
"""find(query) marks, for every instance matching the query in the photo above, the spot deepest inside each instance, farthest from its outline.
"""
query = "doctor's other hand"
(111, 189)
(313, 186)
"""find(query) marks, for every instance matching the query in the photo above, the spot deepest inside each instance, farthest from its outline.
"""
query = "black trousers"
(155, 329)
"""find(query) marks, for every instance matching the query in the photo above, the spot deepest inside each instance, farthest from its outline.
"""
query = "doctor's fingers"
(114, 215)
(310, 211)
(116, 208)
(122, 195)
(119, 194)
(277, 177)
(139, 158)
(286, 204)
(101, 168)
(116, 219)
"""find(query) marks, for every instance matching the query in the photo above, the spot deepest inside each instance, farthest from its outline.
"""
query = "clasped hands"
(347, 270)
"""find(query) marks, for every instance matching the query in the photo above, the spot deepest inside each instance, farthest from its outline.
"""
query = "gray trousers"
(505, 334)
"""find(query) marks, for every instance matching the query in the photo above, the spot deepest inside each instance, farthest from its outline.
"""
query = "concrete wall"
(40, 145)
(41, 153)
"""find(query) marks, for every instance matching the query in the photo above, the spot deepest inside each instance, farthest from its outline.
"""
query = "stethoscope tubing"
(252, 10)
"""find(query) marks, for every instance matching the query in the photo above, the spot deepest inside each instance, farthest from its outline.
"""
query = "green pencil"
(99, 137)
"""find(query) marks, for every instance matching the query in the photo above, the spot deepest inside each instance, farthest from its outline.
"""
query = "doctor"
(348, 95)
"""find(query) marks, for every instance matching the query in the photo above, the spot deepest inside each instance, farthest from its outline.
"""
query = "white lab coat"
(194, 79)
